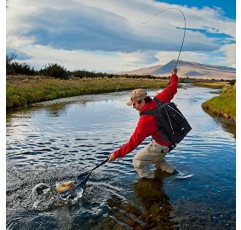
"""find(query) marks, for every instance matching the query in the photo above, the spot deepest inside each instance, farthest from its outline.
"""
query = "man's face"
(138, 105)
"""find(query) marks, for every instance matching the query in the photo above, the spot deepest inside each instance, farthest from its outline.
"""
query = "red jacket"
(147, 125)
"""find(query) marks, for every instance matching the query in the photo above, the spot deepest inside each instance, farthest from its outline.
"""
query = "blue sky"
(114, 36)
(228, 7)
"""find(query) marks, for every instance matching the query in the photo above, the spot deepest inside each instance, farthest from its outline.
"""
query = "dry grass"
(22, 90)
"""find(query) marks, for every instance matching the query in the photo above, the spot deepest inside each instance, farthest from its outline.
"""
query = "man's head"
(136, 98)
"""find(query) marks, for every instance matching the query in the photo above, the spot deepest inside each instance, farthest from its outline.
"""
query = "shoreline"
(227, 122)
(23, 92)
(223, 107)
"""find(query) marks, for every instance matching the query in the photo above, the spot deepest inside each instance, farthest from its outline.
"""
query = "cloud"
(119, 31)
(80, 59)
(230, 55)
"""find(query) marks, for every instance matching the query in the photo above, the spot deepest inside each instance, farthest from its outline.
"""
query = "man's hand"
(111, 157)
(174, 70)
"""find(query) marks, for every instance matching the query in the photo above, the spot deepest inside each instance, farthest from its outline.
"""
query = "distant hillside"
(188, 69)
(144, 71)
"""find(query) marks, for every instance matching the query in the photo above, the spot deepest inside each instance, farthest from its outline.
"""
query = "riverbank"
(224, 107)
(22, 91)
(213, 85)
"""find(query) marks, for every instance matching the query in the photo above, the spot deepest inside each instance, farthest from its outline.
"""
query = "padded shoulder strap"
(157, 100)
(147, 112)
(151, 112)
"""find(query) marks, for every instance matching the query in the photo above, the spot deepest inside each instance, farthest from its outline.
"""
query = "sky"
(121, 35)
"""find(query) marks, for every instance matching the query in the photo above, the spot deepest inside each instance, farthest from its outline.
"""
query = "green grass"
(213, 85)
(223, 105)
(25, 91)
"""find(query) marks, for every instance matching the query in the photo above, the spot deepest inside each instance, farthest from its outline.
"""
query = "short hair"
(147, 99)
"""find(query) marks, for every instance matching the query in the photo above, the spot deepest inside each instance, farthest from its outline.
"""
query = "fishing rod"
(67, 189)
(184, 32)
(183, 38)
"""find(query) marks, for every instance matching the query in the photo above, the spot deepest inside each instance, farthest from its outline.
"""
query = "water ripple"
(47, 147)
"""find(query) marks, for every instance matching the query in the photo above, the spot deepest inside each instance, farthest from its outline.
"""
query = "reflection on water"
(55, 141)
(150, 209)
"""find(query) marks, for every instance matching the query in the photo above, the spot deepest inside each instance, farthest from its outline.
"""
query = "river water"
(55, 141)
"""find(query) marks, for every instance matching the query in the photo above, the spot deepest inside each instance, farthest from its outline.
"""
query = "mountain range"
(188, 69)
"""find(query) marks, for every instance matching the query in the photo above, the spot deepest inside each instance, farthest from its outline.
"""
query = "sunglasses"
(139, 102)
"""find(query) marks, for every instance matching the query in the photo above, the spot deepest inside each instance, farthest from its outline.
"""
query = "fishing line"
(183, 38)
(119, 85)
(184, 32)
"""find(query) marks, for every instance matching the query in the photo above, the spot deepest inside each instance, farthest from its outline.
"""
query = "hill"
(188, 69)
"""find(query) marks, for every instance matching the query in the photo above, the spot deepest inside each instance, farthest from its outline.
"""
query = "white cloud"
(113, 36)
(230, 55)
(73, 60)
(92, 61)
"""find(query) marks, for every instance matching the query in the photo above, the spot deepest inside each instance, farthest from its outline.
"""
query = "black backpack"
(173, 126)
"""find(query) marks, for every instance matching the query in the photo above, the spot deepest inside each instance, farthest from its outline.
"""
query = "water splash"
(183, 175)
(42, 197)
(74, 195)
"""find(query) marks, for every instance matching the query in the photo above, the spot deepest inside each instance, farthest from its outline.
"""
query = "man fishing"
(147, 125)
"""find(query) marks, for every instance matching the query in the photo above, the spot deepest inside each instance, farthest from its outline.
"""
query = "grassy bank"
(22, 91)
(213, 85)
(224, 106)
